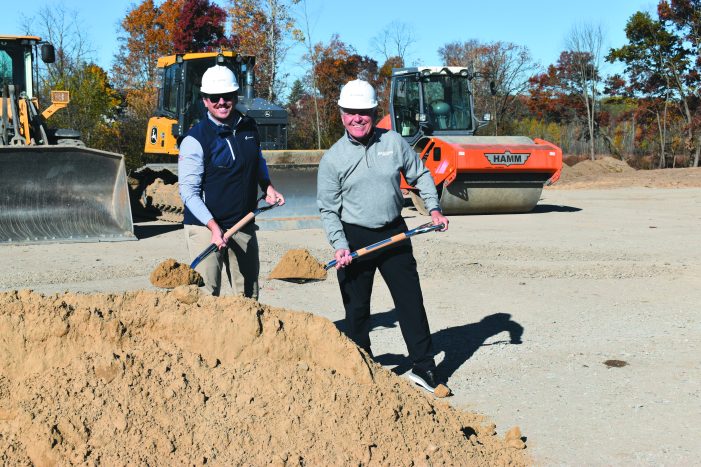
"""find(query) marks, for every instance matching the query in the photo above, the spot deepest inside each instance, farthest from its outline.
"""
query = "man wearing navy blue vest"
(220, 169)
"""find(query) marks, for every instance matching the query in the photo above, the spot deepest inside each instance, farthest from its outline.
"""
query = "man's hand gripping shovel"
(245, 220)
(424, 228)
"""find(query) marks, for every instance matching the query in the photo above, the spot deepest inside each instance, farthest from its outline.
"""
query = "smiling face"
(220, 105)
(358, 123)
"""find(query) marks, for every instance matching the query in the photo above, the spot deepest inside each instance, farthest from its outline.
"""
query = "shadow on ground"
(458, 343)
(147, 231)
(543, 208)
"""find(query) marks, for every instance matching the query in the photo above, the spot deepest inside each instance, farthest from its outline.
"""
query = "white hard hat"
(358, 94)
(218, 80)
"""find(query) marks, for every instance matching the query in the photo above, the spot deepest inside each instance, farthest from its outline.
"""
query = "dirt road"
(524, 309)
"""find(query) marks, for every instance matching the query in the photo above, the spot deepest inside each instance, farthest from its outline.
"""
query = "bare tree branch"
(394, 40)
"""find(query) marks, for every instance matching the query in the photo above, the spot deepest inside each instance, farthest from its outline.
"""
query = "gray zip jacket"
(359, 184)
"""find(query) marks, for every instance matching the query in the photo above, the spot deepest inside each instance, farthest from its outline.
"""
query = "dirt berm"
(166, 378)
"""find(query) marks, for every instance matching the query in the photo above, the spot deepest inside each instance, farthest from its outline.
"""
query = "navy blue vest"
(229, 185)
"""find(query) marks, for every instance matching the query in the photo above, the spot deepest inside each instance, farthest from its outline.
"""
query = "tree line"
(650, 114)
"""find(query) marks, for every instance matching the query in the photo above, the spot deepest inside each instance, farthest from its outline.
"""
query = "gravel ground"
(525, 311)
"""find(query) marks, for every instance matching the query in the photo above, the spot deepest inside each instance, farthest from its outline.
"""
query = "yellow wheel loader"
(52, 188)
(180, 106)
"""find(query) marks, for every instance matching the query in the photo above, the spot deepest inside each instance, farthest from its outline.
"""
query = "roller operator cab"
(180, 104)
(432, 108)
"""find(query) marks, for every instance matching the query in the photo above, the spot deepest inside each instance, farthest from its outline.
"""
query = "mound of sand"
(298, 264)
(145, 378)
(608, 172)
(592, 168)
(170, 274)
(599, 166)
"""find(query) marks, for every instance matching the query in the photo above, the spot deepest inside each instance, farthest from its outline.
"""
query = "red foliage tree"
(336, 64)
(554, 94)
(200, 28)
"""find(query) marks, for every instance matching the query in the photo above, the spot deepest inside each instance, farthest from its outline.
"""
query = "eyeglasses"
(214, 98)
(363, 112)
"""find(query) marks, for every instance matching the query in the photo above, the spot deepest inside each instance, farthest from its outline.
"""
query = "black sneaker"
(424, 378)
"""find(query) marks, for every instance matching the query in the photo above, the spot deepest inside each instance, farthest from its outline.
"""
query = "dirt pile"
(299, 265)
(594, 168)
(170, 274)
(164, 195)
(144, 378)
(608, 172)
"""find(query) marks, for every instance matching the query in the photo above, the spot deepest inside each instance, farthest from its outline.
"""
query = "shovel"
(245, 220)
(428, 227)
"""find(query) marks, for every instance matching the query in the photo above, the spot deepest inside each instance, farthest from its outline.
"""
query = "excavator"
(433, 109)
(180, 106)
(52, 187)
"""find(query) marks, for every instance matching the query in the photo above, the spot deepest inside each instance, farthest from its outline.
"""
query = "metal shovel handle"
(235, 228)
(428, 227)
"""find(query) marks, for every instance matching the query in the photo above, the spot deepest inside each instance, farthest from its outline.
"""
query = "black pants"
(398, 269)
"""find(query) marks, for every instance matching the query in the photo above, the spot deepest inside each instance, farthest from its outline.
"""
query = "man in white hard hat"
(360, 202)
(220, 168)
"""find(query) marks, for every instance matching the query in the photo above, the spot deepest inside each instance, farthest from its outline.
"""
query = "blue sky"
(542, 26)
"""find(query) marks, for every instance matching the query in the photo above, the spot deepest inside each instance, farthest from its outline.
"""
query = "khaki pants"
(239, 260)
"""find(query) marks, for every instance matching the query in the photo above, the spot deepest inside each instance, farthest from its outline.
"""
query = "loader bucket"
(293, 172)
(63, 194)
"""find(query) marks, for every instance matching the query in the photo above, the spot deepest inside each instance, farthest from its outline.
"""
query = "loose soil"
(170, 274)
(145, 378)
(298, 265)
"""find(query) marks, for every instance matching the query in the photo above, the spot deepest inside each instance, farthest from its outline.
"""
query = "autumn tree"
(384, 81)
(465, 54)
(146, 34)
(551, 96)
(301, 128)
(336, 64)
(507, 65)
(200, 28)
(585, 41)
(684, 17)
(659, 65)
(265, 29)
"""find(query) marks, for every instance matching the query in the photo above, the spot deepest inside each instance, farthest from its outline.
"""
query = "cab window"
(406, 106)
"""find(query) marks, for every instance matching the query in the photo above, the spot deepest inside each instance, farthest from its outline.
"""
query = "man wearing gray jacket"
(360, 203)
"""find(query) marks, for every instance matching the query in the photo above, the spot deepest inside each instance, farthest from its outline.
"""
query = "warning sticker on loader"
(506, 158)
